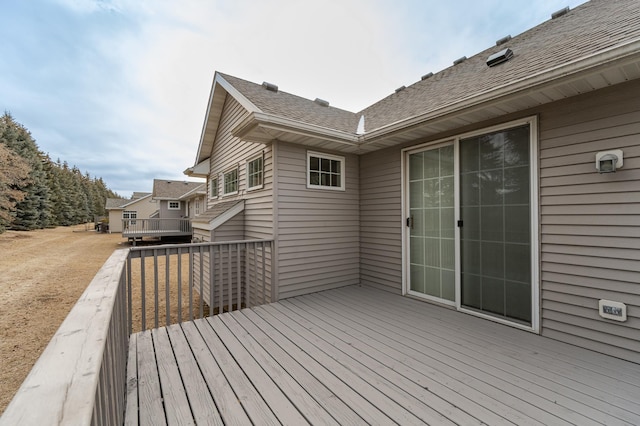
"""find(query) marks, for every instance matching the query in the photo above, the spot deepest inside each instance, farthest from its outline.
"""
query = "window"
(213, 189)
(174, 205)
(130, 215)
(325, 171)
(197, 212)
(230, 182)
(255, 173)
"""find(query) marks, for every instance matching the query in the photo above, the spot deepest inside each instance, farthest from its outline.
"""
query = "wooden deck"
(357, 355)
(155, 227)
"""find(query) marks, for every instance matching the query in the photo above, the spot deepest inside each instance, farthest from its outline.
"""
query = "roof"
(198, 191)
(591, 47)
(218, 214)
(121, 203)
(137, 195)
(284, 104)
(164, 189)
(115, 203)
(588, 29)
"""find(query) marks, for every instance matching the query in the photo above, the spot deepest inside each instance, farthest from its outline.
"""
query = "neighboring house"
(195, 201)
(475, 188)
(139, 206)
(178, 199)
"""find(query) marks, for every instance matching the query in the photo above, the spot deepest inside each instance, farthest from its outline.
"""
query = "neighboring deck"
(136, 229)
(359, 355)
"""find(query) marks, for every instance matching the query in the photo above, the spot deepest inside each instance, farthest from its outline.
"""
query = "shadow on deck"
(359, 355)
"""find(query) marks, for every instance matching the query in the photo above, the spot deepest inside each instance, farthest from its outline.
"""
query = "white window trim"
(329, 157)
(131, 216)
(237, 169)
(173, 208)
(249, 161)
(215, 180)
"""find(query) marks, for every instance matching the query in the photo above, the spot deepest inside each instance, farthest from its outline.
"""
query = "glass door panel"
(432, 216)
(495, 246)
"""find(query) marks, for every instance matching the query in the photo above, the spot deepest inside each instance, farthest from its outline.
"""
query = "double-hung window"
(255, 172)
(230, 182)
(325, 171)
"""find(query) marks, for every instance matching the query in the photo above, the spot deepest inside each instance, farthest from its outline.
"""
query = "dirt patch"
(44, 272)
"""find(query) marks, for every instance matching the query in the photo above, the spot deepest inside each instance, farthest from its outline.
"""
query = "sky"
(120, 88)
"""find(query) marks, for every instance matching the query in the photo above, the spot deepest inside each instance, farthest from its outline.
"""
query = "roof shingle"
(172, 189)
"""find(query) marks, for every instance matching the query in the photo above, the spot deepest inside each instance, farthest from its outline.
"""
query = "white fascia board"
(269, 121)
(242, 100)
(135, 201)
(221, 219)
(564, 71)
(199, 170)
(195, 191)
(220, 87)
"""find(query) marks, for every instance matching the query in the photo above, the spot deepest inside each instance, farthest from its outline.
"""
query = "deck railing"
(169, 284)
(152, 226)
(81, 376)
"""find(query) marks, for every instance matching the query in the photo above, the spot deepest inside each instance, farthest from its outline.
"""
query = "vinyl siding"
(166, 213)
(229, 151)
(318, 230)
(256, 221)
(590, 222)
(144, 208)
(381, 220)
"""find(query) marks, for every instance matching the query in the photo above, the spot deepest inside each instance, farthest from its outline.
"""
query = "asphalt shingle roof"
(283, 104)
(216, 211)
(172, 189)
(586, 30)
(114, 203)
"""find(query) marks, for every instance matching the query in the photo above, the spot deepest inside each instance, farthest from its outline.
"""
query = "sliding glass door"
(431, 223)
(489, 175)
(495, 224)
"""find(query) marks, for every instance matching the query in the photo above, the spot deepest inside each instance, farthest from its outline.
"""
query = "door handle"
(410, 222)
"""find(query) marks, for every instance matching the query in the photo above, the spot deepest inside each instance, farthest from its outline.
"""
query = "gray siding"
(381, 220)
(318, 230)
(166, 213)
(229, 151)
(590, 223)
(231, 230)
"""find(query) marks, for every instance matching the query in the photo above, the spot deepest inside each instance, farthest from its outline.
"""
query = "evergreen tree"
(31, 212)
(36, 192)
(14, 174)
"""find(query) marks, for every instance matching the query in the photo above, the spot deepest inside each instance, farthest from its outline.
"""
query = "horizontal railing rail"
(169, 284)
(80, 378)
(151, 226)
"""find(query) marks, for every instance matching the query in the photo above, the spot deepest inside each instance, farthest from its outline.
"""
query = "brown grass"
(159, 270)
(44, 272)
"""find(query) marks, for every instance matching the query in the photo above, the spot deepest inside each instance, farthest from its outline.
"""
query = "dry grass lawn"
(44, 272)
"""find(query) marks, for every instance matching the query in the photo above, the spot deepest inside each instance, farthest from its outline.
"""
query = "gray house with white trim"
(177, 199)
(506, 186)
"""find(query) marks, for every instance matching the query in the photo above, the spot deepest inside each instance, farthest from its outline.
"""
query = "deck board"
(173, 391)
(538, 375)
(359, 355)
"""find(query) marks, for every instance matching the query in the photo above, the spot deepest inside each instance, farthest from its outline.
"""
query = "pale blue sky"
(119, 87)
